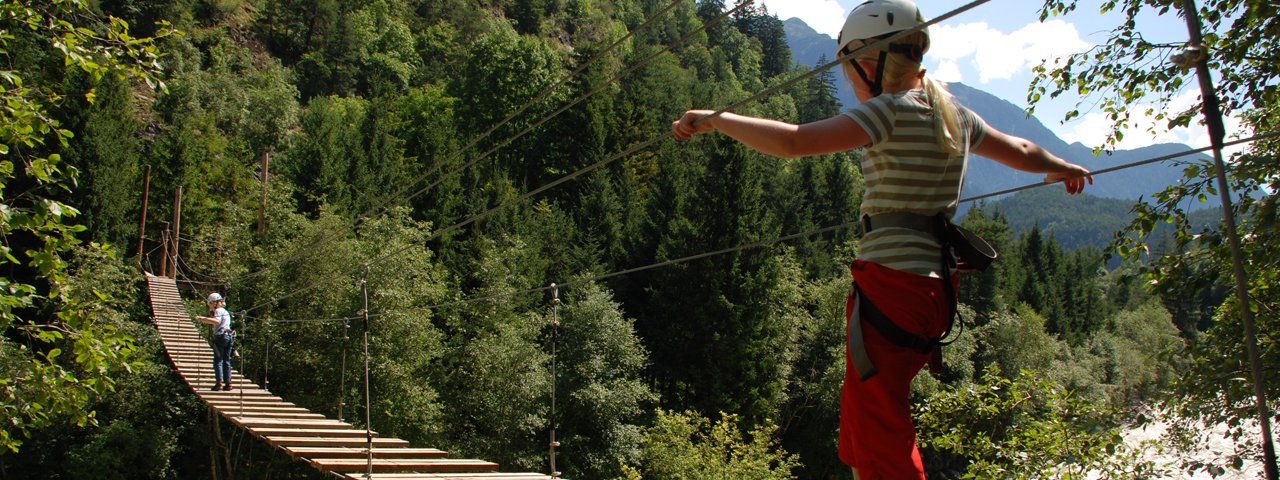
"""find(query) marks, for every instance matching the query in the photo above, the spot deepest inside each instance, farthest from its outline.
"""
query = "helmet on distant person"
(214, 297)
(874, 20)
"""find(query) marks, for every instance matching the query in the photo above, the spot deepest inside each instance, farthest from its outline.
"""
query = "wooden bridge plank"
(334, 442)
(347, 452)
(310, 432)
(449, 476)
(442, 465)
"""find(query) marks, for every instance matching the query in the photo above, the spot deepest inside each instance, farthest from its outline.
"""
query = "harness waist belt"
(914, 221)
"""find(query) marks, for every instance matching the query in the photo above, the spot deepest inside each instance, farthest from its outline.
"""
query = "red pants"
(876, 433)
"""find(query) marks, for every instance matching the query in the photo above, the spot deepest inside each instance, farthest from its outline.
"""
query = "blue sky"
(995, 45)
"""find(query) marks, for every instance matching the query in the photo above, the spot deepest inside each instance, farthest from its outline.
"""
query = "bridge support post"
(1217, 132)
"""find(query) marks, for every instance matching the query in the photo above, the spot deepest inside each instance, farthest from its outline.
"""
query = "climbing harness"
(962, 250)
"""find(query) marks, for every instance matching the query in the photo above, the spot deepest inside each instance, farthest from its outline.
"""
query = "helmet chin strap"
(876, 87)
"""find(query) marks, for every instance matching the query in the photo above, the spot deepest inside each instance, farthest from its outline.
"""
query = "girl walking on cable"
(917, 142)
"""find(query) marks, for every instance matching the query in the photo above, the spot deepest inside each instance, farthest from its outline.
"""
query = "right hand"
(1074, 178)
(684, 127)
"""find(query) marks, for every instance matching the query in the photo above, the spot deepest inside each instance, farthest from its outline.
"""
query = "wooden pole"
(555, 330)
(368, 429)
(262, 207)
(1213, 117)
(177, 227)
(142, 224)
(164, 250)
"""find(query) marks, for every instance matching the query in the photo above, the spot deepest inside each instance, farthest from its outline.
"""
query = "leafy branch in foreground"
(56, 353)
(1240, 40)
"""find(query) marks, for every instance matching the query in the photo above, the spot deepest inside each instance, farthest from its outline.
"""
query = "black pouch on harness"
(972, 253)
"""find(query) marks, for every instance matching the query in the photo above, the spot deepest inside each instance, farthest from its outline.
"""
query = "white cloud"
(947, 71)
(1092, 128)
(996, 55)
(825, 16)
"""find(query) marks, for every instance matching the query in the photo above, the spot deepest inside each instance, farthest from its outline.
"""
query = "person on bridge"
(917, 143)
(223, 340)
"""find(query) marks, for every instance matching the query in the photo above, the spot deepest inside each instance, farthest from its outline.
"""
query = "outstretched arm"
(206, 320)
(777, 138)
(1022, 154)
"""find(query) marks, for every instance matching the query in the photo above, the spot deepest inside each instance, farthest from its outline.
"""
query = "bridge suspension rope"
(540, 97)
(822, 230)
(638, 147)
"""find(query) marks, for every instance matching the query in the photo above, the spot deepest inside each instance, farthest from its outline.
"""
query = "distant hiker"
(223, 339)
(918, 141)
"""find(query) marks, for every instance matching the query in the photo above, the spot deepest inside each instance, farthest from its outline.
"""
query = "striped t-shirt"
(907, 171)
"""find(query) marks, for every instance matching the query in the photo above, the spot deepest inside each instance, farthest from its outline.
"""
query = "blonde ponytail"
(946, 118)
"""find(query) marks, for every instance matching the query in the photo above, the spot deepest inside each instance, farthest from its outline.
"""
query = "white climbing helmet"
(879, 18)
(213, 297)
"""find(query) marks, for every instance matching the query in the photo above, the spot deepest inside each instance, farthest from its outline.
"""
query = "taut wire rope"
(1132, 165)
(817, 231)
(643, 145)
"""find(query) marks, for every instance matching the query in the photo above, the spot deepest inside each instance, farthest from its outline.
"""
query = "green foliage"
(1016, 341)
(59, 356)
(689, 446)
(108, 155)
(818, 100)
(1143, 353)
(504, 74)
(600, 364)
(981, 290)
(401, 349)
(1027, 427)
(495, 376)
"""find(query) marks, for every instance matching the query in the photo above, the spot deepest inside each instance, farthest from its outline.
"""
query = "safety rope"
(640, 146)
(816, 231)
(763, 243)
(1127, 166)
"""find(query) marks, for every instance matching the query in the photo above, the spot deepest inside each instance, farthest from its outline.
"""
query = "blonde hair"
(898, 74)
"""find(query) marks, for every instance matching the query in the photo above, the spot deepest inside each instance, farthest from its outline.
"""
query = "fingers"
(1075, 185)
(685, 128)
(1074, 182)
(681, 129)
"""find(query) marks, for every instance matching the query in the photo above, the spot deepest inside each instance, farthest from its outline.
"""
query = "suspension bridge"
(328, 445)
(346, 451)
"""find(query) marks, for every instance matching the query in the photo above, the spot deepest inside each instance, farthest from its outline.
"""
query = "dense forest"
(456, 158)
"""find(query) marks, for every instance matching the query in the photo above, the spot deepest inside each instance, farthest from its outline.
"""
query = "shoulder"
(876, 115)
(972, 122)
